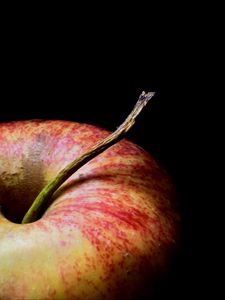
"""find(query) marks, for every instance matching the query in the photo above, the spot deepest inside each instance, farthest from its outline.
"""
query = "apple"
(111, 229)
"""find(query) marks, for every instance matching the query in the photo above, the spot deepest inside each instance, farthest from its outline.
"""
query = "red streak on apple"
(110, 231)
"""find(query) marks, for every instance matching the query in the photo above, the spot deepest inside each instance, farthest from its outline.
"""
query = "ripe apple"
(110, 231)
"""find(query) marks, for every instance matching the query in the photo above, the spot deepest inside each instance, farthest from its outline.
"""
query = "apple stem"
(45, 195)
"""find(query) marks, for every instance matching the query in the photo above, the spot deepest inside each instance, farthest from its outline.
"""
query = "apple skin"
(109, 234)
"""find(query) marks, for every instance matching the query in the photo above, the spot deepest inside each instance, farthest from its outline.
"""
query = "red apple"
(110, 231)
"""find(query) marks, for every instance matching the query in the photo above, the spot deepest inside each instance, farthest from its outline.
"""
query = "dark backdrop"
(95, 77)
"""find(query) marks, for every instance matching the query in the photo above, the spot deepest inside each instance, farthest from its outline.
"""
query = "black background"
(59, 68)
